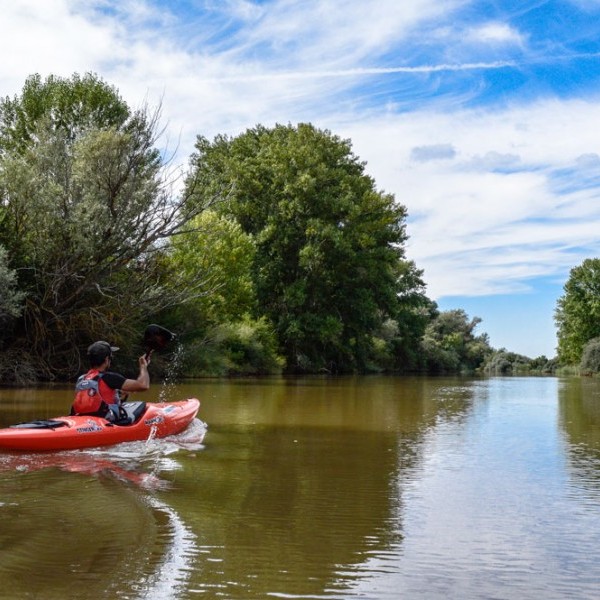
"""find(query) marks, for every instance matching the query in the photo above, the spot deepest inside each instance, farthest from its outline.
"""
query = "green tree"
(219, 335)
(503, 362)
(71, 106)
(86, 210)
(330, 266)
(244, 346)
(216, 256)
(577, 315)
(451, 345)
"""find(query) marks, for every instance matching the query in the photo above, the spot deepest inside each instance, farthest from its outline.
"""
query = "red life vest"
(93, 395)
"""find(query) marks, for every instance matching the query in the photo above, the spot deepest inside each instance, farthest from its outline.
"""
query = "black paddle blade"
(156, 338)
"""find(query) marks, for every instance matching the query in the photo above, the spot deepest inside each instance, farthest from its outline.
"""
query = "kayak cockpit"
(39, 424)
(130, 413)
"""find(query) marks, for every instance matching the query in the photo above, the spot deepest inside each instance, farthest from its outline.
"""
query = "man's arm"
(142, 383)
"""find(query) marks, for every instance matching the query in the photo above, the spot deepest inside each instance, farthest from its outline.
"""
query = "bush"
(439, 359)
(246, 347)
(590, 357)
(502, 362)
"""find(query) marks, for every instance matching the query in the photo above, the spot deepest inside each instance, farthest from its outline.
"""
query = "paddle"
(156, 338)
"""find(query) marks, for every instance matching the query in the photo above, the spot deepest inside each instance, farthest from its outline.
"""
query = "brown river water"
(317, 488)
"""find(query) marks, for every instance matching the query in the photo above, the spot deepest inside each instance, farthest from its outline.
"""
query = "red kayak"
(143, 421)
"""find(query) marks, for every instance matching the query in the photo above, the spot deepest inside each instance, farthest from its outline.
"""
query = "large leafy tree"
(85, 208)
(577, 314)
(330, 266)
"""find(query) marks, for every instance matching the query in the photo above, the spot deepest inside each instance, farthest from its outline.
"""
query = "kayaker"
(98, 392)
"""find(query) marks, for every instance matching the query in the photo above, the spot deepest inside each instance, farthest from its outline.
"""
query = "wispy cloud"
(492, 192)
(360, 72)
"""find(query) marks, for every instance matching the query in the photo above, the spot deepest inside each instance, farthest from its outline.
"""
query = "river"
(317, 488)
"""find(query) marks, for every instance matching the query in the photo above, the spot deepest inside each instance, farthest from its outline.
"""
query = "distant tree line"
(577, 318)
(273, 251)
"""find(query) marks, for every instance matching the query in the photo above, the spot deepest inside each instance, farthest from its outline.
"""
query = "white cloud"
(493, 216)
(327, 30)
(591, 160)
(48, 38)
(496, 33)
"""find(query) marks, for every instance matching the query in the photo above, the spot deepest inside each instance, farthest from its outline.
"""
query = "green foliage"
(503, 362)
(85, 210)
(543, 365)
(577, 314)
(450, 343)
(215, 256)
(567, 370)
(10, 297)
(329, 267)
(245, 347)
(590, 358)
(219, 254)
(71, 106)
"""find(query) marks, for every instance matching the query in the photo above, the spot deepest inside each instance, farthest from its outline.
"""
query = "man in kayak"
(98, 392)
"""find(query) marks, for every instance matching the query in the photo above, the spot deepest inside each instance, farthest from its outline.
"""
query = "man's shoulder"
(113, 380)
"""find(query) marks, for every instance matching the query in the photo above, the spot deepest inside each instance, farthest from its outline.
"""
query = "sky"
(481, 117)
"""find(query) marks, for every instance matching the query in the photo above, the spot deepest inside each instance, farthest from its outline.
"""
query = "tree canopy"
(577, 314)
(330, 265)
(450, 343)
(84, 212)
(71, 106)
(217, 251)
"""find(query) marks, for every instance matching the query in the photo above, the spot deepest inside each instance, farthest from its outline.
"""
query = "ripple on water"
(71, 528)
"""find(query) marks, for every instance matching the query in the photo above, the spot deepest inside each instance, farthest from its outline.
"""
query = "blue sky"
(481, 117)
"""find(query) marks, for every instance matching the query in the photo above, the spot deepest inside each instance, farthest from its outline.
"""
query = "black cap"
(98, 351)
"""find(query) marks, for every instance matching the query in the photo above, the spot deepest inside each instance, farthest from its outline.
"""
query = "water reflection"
(90, 524)
(580, 421)
(299, 485)
(325, 488)
(47, 524)
(302, 482)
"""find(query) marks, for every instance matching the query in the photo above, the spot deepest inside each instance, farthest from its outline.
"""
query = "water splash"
(151, 435)
(173, 367)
